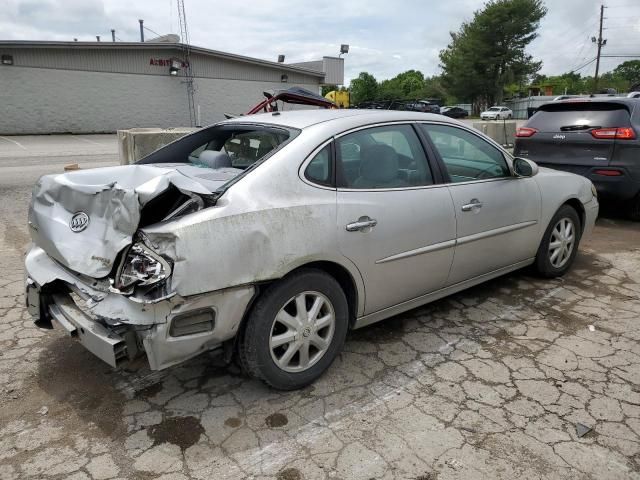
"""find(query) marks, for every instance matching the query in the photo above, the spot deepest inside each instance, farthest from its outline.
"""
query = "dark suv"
(596, 138)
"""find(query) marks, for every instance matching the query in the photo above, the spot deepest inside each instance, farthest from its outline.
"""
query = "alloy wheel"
(562, 242)
(302, 331)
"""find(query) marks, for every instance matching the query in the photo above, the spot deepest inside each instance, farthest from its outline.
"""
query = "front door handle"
(362, 224)
(474, 204)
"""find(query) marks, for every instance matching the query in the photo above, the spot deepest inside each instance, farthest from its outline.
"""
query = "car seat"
(214, 159)
(379, 168)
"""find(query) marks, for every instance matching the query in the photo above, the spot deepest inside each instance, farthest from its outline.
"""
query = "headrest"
(379, 163)
(213, 159)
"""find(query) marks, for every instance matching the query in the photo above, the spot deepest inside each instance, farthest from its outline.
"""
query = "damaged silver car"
(270, 236)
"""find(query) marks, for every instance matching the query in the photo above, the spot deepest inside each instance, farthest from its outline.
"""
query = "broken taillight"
(141, 266)
(614, 133)
(525, 132)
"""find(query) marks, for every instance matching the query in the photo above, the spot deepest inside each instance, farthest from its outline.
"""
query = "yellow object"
(340, 98)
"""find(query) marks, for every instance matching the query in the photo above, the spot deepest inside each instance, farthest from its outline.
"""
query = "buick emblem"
(79, 222)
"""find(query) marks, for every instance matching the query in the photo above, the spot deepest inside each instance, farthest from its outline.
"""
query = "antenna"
(186, 53)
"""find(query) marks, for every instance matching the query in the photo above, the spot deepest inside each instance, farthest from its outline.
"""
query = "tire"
(545, 264)
(509, 117)
(272, 330)
(634, 209)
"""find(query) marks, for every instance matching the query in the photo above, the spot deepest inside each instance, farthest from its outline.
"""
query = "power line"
(584, 65)
(584, 44)
(155, 33)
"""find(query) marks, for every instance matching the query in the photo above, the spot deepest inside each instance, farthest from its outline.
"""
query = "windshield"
(494, 109)
(223, 146)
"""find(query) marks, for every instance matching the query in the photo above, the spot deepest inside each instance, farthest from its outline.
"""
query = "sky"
(385, 37)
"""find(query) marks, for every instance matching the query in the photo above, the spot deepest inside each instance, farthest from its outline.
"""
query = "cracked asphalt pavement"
(489, 383)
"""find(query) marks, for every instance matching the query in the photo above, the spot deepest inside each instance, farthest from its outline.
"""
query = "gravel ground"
(489, 383)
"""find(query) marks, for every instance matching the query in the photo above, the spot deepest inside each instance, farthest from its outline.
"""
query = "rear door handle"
(362, 224)
(473, 204)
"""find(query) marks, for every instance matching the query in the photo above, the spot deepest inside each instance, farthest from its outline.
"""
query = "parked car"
(454, 112)
(596, 138)
(423, 106)
(496, 113)
(270, 236)
(403, 105)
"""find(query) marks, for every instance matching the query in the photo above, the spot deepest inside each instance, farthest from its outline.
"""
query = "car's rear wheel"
(559, 244)
(295, 330)
(509, 117)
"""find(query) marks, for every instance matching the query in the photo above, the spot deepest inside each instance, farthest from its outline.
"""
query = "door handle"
(362, 224)
(473, 204)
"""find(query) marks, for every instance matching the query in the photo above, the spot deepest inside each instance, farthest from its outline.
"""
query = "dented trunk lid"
(83, 219)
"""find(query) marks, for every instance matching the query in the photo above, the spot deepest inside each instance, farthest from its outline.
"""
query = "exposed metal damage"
(108, 286)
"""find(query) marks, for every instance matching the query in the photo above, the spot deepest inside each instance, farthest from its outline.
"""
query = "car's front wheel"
(559, 244)
(295, 330)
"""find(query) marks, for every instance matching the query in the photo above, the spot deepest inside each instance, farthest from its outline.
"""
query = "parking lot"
(494, 382)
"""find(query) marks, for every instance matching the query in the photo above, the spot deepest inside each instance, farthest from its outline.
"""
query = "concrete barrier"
(501, 131)
(136, 143)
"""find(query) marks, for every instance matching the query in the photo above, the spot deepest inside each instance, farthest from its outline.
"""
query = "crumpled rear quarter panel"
(263, 227)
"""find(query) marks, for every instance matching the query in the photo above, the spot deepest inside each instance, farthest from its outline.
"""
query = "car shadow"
(84, 386)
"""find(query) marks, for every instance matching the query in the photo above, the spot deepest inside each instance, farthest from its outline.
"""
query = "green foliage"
(327, 88)
(621, 79)
(629, 71)
(408, 84)
(364, 88)
(488, 52)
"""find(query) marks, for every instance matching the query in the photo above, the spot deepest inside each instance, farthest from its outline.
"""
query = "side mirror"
(524, 167)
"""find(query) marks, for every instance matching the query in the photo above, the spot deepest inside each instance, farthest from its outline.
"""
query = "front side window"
(382, 157)
(466, 156)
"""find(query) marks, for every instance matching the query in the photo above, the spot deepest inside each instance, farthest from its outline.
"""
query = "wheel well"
(578, 207)
(344, 278)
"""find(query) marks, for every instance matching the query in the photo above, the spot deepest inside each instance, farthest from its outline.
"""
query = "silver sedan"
(268, 237)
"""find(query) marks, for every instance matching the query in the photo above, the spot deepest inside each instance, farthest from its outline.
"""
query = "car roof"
(622, 100)
(305, 118)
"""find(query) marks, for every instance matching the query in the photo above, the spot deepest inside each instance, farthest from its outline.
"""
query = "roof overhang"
(156, 46)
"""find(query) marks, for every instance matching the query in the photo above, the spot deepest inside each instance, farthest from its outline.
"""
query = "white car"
(496, 113)
(268, 237)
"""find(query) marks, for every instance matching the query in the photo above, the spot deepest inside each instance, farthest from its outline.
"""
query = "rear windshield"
(224, 146)
(563, 116)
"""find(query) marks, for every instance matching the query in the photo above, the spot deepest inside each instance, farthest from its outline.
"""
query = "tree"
(629, 71)
(488, 52)
(364, 88)
(327, 88)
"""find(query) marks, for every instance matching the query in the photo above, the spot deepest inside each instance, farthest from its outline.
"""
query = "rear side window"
(319, 169)
(382, 157)
(572, 116)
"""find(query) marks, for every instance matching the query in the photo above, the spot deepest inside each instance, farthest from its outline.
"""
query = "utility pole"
(601, 43)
